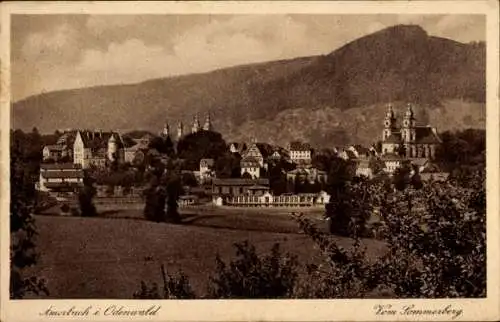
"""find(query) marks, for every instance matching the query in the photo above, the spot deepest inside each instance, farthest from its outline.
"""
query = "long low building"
(239, 186)
(267, 200)
(60, 177)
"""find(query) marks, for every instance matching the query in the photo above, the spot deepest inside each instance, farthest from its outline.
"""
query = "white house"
(300, 153)
(54, 152)
(96, 148)
(206, 169)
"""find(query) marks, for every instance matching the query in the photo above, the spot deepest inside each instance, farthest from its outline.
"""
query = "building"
(300, 153)
(363, 169)
(196, 124)
(392, 162)
(136, 152)
(97, 148)
(408, 140)
(208, 124)
(238, 186)
(251, 166)
(236, 147)
(268, 200)
(310, 174)
(260, 151)
(60, 177)
(52, 152)
(206, 169)
(360, 152)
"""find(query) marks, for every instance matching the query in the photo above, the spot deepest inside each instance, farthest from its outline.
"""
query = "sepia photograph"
(248, 156)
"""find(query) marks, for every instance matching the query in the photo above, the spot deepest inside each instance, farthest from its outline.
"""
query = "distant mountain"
(329, 100)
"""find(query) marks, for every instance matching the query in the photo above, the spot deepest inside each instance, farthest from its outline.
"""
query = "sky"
(55, 52)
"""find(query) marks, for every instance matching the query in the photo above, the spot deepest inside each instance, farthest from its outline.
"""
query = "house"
(359, 151)
(259, 151)
(96, 148)
(431, 172)
(67, 140)
(136, 153)
(52, 152)
(363, 169)
(392, 162)
(410, 140)
(251, 166)
(236, 147)
(206, 169)
(300, 153)
(64, 177)
(238, 186)
(187, 200)
(347, 154)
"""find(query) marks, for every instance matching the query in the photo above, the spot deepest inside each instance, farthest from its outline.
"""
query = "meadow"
(108, 256)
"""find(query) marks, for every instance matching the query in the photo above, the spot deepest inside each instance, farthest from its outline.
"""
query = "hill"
(331, 99)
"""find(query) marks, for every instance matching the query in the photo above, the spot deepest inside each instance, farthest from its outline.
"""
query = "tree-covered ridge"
(320, 98)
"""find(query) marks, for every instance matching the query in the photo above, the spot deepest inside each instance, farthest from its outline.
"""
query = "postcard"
(250, 161)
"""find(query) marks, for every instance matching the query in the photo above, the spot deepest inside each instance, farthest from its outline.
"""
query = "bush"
(251, 276)
(174, 287)
(436, 246)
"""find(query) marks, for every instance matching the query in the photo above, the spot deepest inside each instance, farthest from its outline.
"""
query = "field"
(108, 256)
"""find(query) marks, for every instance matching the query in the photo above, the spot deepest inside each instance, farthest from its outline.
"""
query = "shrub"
(253, 276)
(174, 287)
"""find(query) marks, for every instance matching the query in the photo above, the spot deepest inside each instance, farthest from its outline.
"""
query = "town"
(260, 174)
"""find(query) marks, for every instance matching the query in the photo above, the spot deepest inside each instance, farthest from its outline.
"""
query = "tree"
(253, 276)
(246, 175)
(227, 165)
(174, 191)
(277, 178)
(85, 198)
(22, 223)
(155, 197)
(436, 246)
(200, 145)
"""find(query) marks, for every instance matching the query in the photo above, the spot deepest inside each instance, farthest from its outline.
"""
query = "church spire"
(208, 124)
(179, 131)
(166, 130)
(196, 124)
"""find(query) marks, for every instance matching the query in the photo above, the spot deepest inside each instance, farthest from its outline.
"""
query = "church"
(409, 139)
(196, 127)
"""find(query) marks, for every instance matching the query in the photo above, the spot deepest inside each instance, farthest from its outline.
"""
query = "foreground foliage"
(436, 248)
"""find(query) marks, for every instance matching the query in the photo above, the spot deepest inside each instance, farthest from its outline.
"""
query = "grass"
(107, 257)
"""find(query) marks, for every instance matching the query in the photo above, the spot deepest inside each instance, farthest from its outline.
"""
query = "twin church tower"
(194, 128)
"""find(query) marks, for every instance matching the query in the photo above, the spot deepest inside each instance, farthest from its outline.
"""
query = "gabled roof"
(238, 146)
(99, 139)
(59, 166)
(54, 147)
(426, 134)
(240, 182)
(265, 149)
(67, 138)
(395, 137)
(63, 174)
(299, 146)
